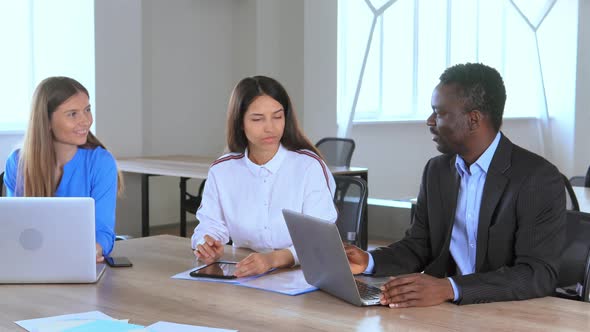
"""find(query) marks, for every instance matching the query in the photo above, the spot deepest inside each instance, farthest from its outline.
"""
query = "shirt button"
(472, 245)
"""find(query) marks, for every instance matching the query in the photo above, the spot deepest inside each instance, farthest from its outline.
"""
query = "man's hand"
(416, 290)
(358, 259)
(210, 251)
(99, 257)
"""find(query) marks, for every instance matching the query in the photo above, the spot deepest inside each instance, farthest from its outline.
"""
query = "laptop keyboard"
(367, 291)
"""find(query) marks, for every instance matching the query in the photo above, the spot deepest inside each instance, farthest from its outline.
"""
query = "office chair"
(574, 272)
(1, 184)
(581, 181)
(188, 203)
(350, 200)
(191, 203)
(336, 151)
(571, 199)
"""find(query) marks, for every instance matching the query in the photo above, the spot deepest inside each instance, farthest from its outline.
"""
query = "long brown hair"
(37, 160)
(243, 95)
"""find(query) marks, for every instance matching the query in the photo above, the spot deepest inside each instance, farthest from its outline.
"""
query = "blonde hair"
(37, 160)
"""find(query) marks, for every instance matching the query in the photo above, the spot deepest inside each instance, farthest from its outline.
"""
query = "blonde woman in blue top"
(61, 157)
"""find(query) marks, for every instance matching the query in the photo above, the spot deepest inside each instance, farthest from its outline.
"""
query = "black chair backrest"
(575, 258)
(1, 184)
(350, 198)
(578, 181)
(191, 203)
(571, 200)
(581, 181)
(336, 151)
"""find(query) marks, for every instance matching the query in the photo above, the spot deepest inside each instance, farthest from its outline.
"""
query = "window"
(41, 39)
(391, 53)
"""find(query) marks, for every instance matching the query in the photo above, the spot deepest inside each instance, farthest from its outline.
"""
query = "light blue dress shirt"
(463, 245)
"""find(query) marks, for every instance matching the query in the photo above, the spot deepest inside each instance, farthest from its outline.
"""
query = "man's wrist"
(455, 290)
(370, 267)
(450, 291)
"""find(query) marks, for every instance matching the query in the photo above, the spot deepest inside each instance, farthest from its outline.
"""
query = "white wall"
(164, 71)
(189, 63)
(582, 118)
(181, 60)
(279, 47)
(320, 70)
(188, 59)
(244, 30)
(193, 52)
(119, 95)
(396, 153)
(8, 142)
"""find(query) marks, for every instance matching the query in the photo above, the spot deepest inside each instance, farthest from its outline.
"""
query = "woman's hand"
(210, 250)
(258, 263)
(99, 257)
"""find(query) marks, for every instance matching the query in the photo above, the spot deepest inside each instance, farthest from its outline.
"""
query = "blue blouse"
(90, 173)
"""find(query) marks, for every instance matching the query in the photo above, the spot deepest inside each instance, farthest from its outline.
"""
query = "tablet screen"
(223, 270)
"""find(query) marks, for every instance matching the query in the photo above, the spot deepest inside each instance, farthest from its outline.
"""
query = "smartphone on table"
(118, 261)
(220, 270)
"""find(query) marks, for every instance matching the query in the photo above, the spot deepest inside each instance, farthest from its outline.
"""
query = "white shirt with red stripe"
(244, 201)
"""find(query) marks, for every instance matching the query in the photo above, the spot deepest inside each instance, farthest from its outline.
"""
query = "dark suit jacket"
(520, 236)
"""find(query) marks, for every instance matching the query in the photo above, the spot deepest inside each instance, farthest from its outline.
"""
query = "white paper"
(284, 281)
(173, 327)
(59, 326)
(33, 325)
(290, 282)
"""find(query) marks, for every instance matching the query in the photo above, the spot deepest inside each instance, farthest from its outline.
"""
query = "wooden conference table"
(583, 196)
(195, 167)
(146, 294)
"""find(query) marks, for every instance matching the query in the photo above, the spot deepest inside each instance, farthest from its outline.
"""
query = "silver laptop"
(48, 240)
(323, 259)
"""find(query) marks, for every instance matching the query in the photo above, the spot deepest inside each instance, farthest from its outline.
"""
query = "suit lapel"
(449, 187)
(493, 189)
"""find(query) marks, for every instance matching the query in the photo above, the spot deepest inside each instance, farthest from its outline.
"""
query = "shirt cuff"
(455, 290)
(371, 266)
(196, 240)
(295, 258)
(105, 243)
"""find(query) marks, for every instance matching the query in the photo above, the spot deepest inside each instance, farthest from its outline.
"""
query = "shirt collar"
(271, 166)
(484, 161)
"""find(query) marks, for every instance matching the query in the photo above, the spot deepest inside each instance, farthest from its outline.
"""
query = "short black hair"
(482, 88)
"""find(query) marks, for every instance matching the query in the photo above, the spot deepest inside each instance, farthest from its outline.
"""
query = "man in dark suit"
(490, 217)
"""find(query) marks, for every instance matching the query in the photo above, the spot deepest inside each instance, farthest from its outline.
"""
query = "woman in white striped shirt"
(271, 166)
